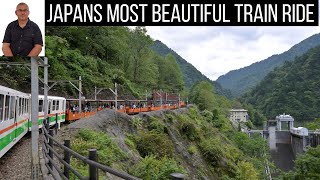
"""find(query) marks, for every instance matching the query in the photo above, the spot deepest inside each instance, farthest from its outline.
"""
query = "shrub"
(249, 124)
(192, 149)
(155, 144)
(189, 129)
(212, 150)
(208, 116)
(108, 151)
(193, 112)
(152, 168)
(129, 143)
(156, 125)
(246, 171)
(137, 122)
(169, 118)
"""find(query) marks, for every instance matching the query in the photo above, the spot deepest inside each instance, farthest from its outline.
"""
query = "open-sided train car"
(88, 108)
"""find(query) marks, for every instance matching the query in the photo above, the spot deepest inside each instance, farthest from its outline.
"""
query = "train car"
(88, 107)
(14, 117)
(56, 110)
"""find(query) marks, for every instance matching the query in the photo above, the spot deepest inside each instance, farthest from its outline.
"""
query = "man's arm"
(36, 50)
(6, 49)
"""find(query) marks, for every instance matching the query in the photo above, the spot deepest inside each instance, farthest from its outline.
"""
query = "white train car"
(14, 117)
(15, 108)
(56, 108)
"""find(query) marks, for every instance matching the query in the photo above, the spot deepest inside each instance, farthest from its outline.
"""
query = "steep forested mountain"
(241, 80)
(293, 88)
(102, 56)
(190, 74)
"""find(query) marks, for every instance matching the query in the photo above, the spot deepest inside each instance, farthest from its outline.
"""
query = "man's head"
(22, 11)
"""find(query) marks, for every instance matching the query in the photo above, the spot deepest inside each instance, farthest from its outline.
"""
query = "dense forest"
(241, 80)
(103, 56)
(292, 88)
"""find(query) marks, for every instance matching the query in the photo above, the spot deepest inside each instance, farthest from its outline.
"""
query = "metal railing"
(53, 156)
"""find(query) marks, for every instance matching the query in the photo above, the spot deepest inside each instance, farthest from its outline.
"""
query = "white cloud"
(216, 50)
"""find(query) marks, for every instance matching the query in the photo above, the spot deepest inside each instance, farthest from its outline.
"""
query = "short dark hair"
(22, 3)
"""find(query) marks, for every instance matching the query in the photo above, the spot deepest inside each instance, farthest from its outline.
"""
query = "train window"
(54, 105)
(18, 106)
(49, 107)
(12, 105)
(28, 104)
(25, 106)
(40, 105)
(57, 108)
(21, 106)
(6, 108)
(1, 106)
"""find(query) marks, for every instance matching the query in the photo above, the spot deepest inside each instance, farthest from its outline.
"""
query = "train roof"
(52, 97)
(107, 100)
(6, 90)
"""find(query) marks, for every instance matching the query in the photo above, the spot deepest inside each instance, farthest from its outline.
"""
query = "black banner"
(182, 13)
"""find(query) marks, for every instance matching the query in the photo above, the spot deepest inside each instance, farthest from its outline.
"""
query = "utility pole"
(146, 95)
(115, 92)
(116, 96)
(45, 88)
(166, 98)
(80, 91)
(95, 93)
(160, 97)
(34, 118)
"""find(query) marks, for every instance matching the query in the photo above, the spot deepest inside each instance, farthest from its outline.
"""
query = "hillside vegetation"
(102, 56)
(292, 89)
(241, 80)
(154, 145)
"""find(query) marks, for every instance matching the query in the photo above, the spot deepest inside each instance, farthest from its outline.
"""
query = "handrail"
(49, 152)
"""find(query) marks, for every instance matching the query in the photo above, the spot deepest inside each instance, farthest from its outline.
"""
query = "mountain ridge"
(292, 88)
(241, 80)
(190, 74)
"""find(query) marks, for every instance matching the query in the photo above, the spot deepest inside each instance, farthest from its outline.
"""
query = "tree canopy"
(292, 89)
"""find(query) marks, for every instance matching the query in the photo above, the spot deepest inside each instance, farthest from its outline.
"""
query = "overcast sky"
(217, 50)
(212, 50)
(7, 15)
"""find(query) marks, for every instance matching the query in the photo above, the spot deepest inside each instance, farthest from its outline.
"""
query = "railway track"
(16, 163)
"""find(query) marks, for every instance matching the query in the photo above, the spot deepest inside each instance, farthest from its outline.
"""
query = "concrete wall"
(297, 144)
(314, 139)
(283, 137)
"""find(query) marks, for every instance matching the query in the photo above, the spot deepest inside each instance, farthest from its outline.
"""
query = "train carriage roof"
(52, 97)
(6, 90)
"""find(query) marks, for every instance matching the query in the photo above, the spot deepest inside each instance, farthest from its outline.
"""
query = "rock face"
(118, 125)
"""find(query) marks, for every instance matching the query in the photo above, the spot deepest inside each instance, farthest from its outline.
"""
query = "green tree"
(307, 166)
(170, 75)
(202, 95)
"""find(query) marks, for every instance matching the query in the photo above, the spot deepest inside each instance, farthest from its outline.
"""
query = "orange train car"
(90, 107)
